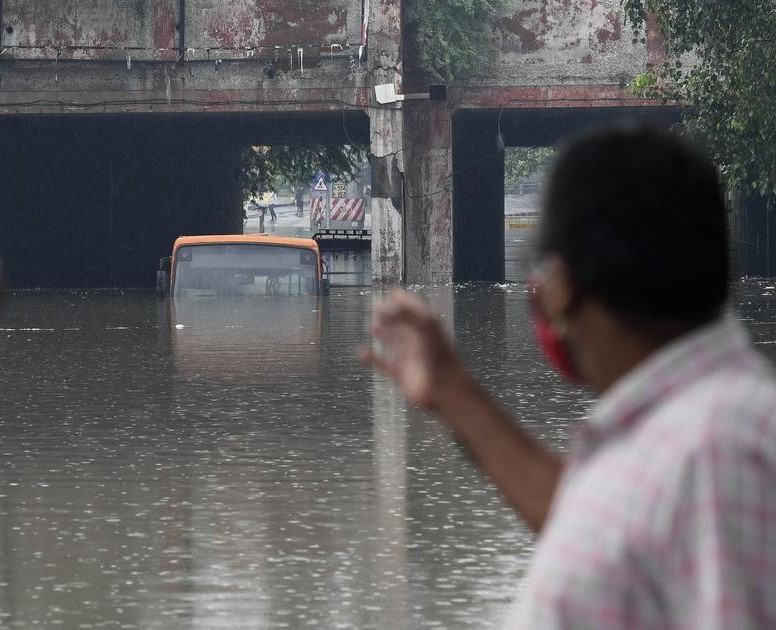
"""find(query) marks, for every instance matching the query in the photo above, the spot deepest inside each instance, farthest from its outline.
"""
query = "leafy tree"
(721, 63)
(451, 36)
(264, 168)
(520, 162)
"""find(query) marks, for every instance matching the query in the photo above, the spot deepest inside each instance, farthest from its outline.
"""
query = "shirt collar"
(665, 371)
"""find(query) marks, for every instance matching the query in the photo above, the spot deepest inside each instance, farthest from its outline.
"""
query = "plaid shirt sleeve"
(719, 544)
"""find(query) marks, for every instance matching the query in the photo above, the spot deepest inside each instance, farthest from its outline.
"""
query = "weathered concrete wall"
(252, 24)
(540, 42)
(107, 29)
(47, 29)
(234, 55)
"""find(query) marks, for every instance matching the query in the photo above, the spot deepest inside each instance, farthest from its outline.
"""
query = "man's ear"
(556, 295)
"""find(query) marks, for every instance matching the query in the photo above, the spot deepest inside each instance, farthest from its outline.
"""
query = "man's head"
(633, 243)
(638, 217)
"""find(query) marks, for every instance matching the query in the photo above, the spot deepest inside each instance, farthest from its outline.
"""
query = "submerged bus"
(242, 266)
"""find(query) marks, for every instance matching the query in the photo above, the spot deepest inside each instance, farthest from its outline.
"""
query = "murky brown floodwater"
(211, 467)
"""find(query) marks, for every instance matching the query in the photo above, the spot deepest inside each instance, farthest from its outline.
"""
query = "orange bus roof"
(259, 239)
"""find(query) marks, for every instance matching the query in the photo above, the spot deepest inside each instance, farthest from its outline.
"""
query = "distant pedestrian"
(299, 199)
(663, 512)
(273, 199)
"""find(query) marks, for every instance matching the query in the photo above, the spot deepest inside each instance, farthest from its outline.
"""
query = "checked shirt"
(666, 515)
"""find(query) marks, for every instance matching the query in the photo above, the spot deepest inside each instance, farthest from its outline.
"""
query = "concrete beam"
(549, 96)
(109, 87)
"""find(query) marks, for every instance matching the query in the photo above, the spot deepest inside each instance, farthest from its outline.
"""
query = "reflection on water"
(206, 466)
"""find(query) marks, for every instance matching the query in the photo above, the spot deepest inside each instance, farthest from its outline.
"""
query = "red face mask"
(551, 344)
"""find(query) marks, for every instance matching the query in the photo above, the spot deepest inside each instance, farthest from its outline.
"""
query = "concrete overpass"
(121, 123)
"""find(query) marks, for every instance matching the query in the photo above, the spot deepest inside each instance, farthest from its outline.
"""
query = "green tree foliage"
(264, 168)
(452, 36)
(728, 80)
(520, 162)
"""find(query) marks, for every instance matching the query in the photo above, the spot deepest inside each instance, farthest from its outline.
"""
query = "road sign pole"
(328, 210)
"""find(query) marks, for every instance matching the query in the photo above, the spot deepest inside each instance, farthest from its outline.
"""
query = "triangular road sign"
(320, 185)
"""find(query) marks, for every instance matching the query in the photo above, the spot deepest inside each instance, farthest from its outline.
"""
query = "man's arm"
(419, 357)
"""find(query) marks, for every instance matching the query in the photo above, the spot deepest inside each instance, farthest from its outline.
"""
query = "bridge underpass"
(479, 138)
(178, 82)
(95, 200)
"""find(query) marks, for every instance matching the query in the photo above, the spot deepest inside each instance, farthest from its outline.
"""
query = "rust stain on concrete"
(248, 24)
(149, 29)
(390, 18)
(164, 21)
(612, 31)
(73, 26)
(515, 27)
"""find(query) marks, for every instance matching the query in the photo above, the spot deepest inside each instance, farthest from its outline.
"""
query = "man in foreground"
(663, 514)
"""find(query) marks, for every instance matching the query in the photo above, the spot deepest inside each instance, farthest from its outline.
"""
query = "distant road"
(521, 204)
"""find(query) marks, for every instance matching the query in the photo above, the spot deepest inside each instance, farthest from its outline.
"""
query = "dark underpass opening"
(481, 220)
(93, 201)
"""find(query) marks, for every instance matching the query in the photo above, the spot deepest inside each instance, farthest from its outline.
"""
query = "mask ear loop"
(538, 276)
(550, 336)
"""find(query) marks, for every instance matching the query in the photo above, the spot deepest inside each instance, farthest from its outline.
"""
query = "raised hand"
(413, 350)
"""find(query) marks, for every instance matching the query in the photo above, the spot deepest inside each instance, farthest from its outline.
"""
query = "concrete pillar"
(386, 144)
(387, 163)
(428, 193)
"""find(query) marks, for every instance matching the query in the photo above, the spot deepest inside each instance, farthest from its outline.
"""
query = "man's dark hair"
(638, 216)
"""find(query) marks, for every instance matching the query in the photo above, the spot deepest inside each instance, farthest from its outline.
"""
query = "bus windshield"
(244, 269)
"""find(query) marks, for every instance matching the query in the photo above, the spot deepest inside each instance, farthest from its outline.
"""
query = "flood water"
(209, 467)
